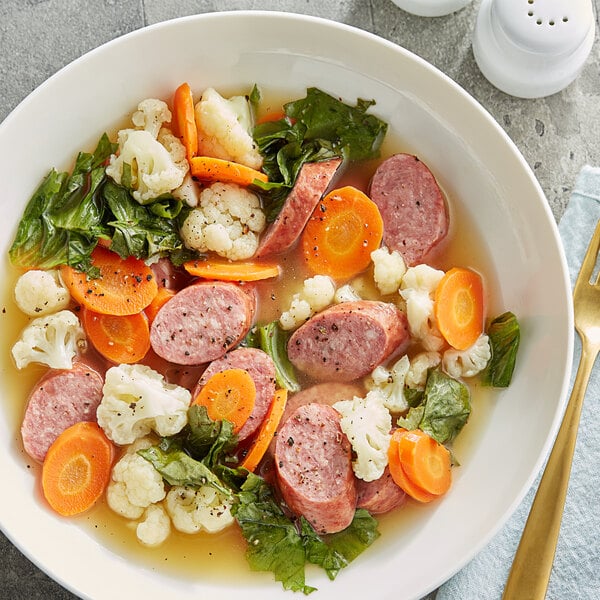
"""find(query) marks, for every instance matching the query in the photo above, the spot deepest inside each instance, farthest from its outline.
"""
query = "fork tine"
(589, 262)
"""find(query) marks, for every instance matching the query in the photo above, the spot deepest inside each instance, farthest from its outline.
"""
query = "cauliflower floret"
(227, 221)
(136, 400)
(317, 293)
(135, 484)
(151, 115)
(388, 269)
(39, 293)
(417, 288)
(469, 362)
(154, 169)
(53, 340)
(155, 528)
(390, 384)
(194, 510)
(188, 191)
(224, 128)
(346, 293)
(416, 377)
(367, 424)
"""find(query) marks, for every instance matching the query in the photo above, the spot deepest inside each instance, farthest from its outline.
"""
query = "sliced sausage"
(348, 340)
(202, 322)
(381, 495)
(59, 399)
(169, 276)
(412, 207)
(261, 368)
(313, 179)
(313, 463)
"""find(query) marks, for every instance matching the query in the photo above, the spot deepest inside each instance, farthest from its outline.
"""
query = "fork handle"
(530, 572)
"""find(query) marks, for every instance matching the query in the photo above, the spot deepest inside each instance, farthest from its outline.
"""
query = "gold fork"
(530, 572)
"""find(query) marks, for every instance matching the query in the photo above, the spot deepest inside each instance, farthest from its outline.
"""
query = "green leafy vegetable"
(444, 411)
(505, 335)
(315, 128)
(273, 340)
(275, 544)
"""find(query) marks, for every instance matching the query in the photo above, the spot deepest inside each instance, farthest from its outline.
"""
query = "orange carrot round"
(76, 469)
(427, 463)
(267, 431)
(343, 230)
(125, 287)
(228, 395)
(231, 271)
(162, 297)
(185, 120)
(207, 168)
(459, 307)
(399, 475)
(119, 338)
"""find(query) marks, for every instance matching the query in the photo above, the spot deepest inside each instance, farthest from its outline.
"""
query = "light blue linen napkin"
(576, 571)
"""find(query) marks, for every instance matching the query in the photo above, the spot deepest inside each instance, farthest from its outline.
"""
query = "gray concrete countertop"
(557, 135)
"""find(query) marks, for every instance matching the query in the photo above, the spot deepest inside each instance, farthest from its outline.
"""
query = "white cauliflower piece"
(317, 293)
(469, 362)
(194, 510)
(388, 269)
(53, 340)
(224, 128)
(137, 400)
(416, 377)
(418, 289)
(155, 528)
(151, 114)
(346, 293)
(228, 221)
(39, 293)
(154, 170)
(188, 191)
(134, 485)
(367, 424)
(390, 384)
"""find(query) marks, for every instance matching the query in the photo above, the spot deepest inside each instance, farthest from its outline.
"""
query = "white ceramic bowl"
(479, 168)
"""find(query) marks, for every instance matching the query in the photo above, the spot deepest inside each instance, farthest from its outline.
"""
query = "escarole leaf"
(63, 219)
(444, 411)
(315, 128)
(504, 333)
(275, 543)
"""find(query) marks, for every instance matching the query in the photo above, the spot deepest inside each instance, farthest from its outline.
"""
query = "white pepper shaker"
(431, 8)
(533, 48)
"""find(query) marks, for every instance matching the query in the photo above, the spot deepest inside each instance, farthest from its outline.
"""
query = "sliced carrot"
(398, 473)
(228, 395)
(427, 463)
(459, 307)
(343, 230)
(271, 116)
(125, 287)
(185, 120)
(267, 431)
(231, 271)
(208, 168)
(76, 469)
(119, 338)
(162, 297)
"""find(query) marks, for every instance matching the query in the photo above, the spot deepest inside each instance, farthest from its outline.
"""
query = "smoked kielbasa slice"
(348, 340)
(414, 213)
(202, 322)
(313, 462)
(261, 368)
(313, 179)
(379, 496)
(60, 399)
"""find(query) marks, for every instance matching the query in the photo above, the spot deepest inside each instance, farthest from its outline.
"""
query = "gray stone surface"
(557, 135)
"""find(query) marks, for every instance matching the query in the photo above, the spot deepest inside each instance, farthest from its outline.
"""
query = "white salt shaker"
(533, 48)
(431, 8)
